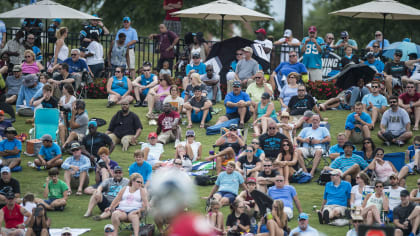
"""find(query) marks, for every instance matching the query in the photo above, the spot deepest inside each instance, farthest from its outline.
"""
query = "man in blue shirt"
(227, 184)
(143, 83)
(286, 193)
(195, 67)
(29, 88)
(378, 39)
(336, 149)
(76, 169)
(140, 166)
(336, 198)
(358, 124)
(237, 105)
(50, 154)
(377, 65)
(312, 54)
(374, 103)
(10, 149)
(348, 163)
(281, 72)
(130, 41)
(303, 227)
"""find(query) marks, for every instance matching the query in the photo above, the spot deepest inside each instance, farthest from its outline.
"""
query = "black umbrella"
(262, 200)
(349, 76)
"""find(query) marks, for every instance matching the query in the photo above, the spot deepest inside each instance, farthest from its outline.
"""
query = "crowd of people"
(287, 143)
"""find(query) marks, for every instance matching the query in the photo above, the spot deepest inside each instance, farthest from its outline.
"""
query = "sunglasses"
(393, 102)
(301, 90)
(109, 230)
(73, 55)
(378, 34)
(75, 150)
(232, 129)
(271, 127)
(161, 79)
(146, 70)
(238, 54)
(139, 182)
(177, 163)
(190, 136)
(248, 151)
(409, 87)
(418, 183)
(398, 55)
(209, 70)
(117, 71)
(292, 55)
(379, 186)
(279, 180)
(259, 143)
(258, 77)
(376, 46)
(152, 137)
(367, 143)
(267, 165)
(31, 38)
(285, 145)
(196, 57)
(27, 56)
(330, 38)
(117, 172)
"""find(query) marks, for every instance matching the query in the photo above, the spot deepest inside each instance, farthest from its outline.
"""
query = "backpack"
(324, 177)
(205, 180)
(301, 177)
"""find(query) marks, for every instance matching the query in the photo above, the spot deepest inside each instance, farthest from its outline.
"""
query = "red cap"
(261, 30)
(251, 180)
(1, 112)
(312, 29)
(152, 134)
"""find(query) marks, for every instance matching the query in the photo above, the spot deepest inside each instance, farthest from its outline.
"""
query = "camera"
(65, 110)
(37, 211)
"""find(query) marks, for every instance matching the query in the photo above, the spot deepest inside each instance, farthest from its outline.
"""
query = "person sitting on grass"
(395, 125)
(375, 103)
(287, 161)
(301, 103)
(215, 217)
(9, 182)
(153, 150)
(227, 185)
(286, 193)
(198, 109)
(303, 227)
(248, 164)
(193, 148)
(157, 95)
(56, 192)
(286, 127)
(50, 154)
(251, 208)
(12, 215)
(10, 149)
(336, 198)
(4, 124)
(229, 145)
(93, 141)
(267, 176)
(119, 88)
(413, 166)
(76, 170)
(168, 128)
(374, 204)
(237, 222)
(106, 193)
(175, 100)
(143, 84)
(263, 113)
(38, 223)
(336, 150)
(140, 166)
(406, 216)
(358, 124)
(78, 124)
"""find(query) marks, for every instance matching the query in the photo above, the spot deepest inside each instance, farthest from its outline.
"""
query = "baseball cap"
(248, 49)
(287, 33)
(336, 172)
(17, 68)
(57, 20)
(1, 113)
(127, 19)
(46, 137)
(370, 55)
(10, 130)
(75, 145)
(66, 230)
(30, 80)
(197, 88)
(95, 15)
(312, 28)
(196, 55)
(404, 193)
(348, 144)
(236, 83)
(265, 95)
(233, 126)
(152, 135)
(118, 168)
(10, 195)
(251, 180)
(344, 34)
(5, 169)
(398, 51)
(303, 216)
(92, 122)
(190, 132)
(261, 30)
(109, 226)
(308, 114)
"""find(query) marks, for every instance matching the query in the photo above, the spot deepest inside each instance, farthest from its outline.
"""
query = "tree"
(294, 17)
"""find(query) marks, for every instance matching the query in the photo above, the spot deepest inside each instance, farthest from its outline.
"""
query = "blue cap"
(127, 19)
(398, 51)
(303, 216)
(57, 20)
(406, 40)
(92, 122)
(95, 15)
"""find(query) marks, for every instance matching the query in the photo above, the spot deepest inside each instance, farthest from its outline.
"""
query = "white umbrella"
(381, 9)
(47, 10)
(222, 10)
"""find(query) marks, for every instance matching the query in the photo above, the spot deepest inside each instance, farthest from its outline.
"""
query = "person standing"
(130, 42)
(15, 48)
(266, 44)
(94, 26)
(118, 53)
(312, 53)
(52, 28)
(171, 22)
(2, 34)
(167, 41)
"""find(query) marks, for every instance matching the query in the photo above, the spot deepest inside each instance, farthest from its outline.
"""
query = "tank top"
(30, 68)
(161, 90)
(118, 55)
(418, 193)
(119, 86)
(376, 201)
(13, 217)
(130, 201)
(383, 171)
(262, 111)
(63, 53)
(249, 198)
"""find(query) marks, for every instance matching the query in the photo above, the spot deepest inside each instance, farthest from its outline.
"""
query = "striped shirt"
(344, 163)
(83, 163)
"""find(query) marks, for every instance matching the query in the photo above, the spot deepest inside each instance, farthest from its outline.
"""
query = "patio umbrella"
(222, 10)
(349, 76)
(381, 9)
(405, 47)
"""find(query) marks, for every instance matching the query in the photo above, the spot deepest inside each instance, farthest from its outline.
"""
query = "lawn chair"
(145, 229)
(326, 147)
(396, 158)
(46, 122)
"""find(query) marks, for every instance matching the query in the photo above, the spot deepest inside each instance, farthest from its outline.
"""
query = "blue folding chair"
(46, 122)
(396, 158)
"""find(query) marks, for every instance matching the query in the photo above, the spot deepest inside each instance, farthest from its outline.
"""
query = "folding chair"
(46, 122)
(144, 227)
(396, 158)
(326, 147)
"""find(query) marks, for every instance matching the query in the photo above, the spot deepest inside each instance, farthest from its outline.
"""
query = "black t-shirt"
(401, 213)
(198, 104)
(189, 90)
(93, 143)
(248, 165)
(124, 125)
(51, 103)
(298, 106)
(14, 184)
(273, 174)
(232, 221)
(271, 144)
(396, 69)
(59, 77)
(345, 60)
(235, 146)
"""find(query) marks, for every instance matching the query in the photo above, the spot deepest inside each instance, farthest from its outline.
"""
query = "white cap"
(287, 33)
(109, 226)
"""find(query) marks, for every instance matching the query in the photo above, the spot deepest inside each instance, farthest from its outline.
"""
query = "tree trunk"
(294, 17)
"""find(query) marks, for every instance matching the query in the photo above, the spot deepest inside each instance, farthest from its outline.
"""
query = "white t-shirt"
(394, 197)
(69, 104)
(267, 44)
(98, 53)
(28, 206)
(284, 57)
(358, 197)
(416, 71)
(154, 152)
(194, 146)
(177, 102)
(291, 125)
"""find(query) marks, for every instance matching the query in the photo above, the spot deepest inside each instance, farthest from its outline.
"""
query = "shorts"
(234, 115)
(132, 56)
(196, 117)
(329, 208)
(174, 26)
(80, 137)
(379, 118)
(166, 137)
(310, 152)
(289, 212)
(116, 140)
(411, 167)
(296, 118)
(104, 204)
(8, 161)
(228, 195)
(6, 231)
(315, 74)
(74, 182)
(356, 137)
(50, 200)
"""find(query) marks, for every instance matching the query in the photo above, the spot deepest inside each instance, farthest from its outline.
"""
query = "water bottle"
(269, 215)
(254, 226)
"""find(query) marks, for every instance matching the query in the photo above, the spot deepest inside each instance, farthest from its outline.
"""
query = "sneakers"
(387, 143)
(31, 164)
(152, 122)
(400, 143)
(320, 217)
(137, 104)
(176, 143)
(110, 104)
(326, 217)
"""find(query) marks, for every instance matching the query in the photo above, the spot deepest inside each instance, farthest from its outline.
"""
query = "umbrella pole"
(223, 21)
(383, 32)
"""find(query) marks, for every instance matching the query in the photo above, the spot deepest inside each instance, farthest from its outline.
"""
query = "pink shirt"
(383, 171)
(30, 68)
(161, 90)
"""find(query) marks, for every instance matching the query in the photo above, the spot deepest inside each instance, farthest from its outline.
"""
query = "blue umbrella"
(405, 47)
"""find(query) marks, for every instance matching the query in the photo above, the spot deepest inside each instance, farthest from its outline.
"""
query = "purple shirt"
(165, 40)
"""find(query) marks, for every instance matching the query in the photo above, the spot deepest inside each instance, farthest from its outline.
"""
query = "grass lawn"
(309, 194)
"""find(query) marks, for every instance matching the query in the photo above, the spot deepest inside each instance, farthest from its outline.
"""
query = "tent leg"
(383, 32)
(223, 21)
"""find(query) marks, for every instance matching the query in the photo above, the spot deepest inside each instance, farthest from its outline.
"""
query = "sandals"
(415, 128)
(97, 218)
(189, 126)
(202, 126)
(69, 193)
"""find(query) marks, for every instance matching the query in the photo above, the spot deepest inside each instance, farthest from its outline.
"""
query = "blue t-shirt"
(259, 152)
(50, 152)
(229, 182)
(336, 149)
(309, 231)
(77, 66)
(337, 195)
(145, 170)
(285, 68)
(378, 101)
(286, 194)
(344, 163)
(10, 145)
(231, 97)
(319, 134)
(37, 52)
(2, 30)
(351, 42)
(376, 65)
(351, 121)
(130, 33)
(200, 68)
(233, 65)
(146, 81)
(386, 43)
(311, 56)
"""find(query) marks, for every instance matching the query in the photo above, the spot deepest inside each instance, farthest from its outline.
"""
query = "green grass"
(309, 194)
